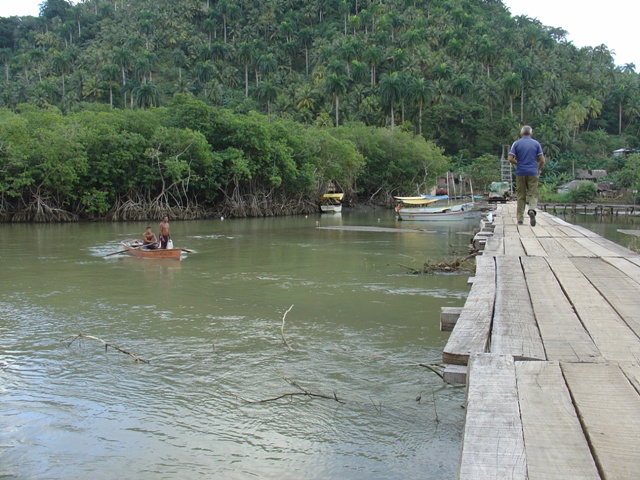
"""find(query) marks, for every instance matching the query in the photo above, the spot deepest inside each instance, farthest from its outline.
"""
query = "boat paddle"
(123, 251)
(116, 253)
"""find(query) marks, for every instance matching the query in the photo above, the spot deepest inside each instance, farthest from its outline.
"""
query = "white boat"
(331, 202)
(415, 208)
(465, 211)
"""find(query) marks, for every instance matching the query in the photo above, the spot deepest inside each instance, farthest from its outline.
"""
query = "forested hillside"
(258, 84)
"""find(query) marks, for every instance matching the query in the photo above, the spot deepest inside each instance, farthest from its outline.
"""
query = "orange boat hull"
(157, 253)
(137, 251)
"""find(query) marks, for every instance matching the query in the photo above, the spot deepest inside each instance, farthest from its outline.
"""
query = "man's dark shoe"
(532, 217)
(520, 222)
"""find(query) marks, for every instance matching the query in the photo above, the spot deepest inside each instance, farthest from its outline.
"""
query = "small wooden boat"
(137, 249)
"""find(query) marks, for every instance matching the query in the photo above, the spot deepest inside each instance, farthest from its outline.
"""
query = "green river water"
(211, 326)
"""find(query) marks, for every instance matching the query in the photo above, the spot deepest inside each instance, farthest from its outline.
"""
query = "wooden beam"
(609, 408)
(564, 337)
(471, 334)
(492, 442)
(514, 330)
(448, 318)
(555, 444)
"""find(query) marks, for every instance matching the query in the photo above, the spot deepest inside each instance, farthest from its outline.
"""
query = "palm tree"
(268, 92)
(61, 65)
(179, 60)
(146, 95)
(245, 55)
(511, 84)
(336, 85)
(109, 73)
(5, 57)
(122, 58)
(419, 93)
(390, 92)
(374, 57)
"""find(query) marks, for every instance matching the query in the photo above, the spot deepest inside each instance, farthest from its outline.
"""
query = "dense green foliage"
(191, 160)
(290, 93)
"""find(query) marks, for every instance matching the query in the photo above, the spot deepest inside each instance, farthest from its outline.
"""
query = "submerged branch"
(447, 266)
(303, 392)
(106, 346)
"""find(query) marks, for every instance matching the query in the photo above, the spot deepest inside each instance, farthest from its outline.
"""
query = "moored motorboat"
(415, 208)
(331, 202)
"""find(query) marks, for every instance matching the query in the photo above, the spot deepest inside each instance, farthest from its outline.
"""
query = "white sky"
(589, 22)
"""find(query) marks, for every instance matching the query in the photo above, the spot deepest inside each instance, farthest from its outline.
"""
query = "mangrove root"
(81, 336)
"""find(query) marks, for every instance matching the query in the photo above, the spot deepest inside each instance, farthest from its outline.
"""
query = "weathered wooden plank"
(635, 260)
(575, 249)
(448, 318)
(533, 247)
(455, 374)
(597, 249)
(513, 245)
(584, 231)
(569, 231)
(493, 443)
(471, 333)
(614, 339)
(525, 231)
(495, 244)
(553, 248)
(514, 329)
(609, 408)
(563, 335)
(618, 289)
(613, 246)
(632, 372)
(541, 231)
(626, 266)
(555, 445)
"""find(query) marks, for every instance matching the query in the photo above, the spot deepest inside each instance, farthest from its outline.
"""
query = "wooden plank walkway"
(550, 334)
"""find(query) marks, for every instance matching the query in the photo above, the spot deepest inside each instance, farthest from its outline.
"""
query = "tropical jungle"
(129, 109)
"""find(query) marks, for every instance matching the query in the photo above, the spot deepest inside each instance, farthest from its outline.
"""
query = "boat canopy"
(415, 200)
(335, 196)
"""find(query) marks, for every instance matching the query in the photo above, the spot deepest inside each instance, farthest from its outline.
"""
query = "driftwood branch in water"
(284, 340)
(106, 345)
(452, 265)
(433, 369)
(302, 393)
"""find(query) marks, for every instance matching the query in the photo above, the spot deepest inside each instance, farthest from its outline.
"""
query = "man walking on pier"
(526, 154)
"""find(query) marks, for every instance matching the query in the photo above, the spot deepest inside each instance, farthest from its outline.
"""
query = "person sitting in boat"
(149, 239)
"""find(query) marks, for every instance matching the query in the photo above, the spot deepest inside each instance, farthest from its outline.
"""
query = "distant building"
(590, 174)
(624, 152)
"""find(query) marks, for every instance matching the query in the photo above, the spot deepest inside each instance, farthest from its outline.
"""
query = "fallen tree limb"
(453, 265)
(433, 369)
(106, 345)
(302, 393)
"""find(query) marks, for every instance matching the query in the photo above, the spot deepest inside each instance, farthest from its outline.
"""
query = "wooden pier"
(549, 344)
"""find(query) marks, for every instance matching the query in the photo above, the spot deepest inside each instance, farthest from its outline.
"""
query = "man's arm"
(541, 162)
(512, 159)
